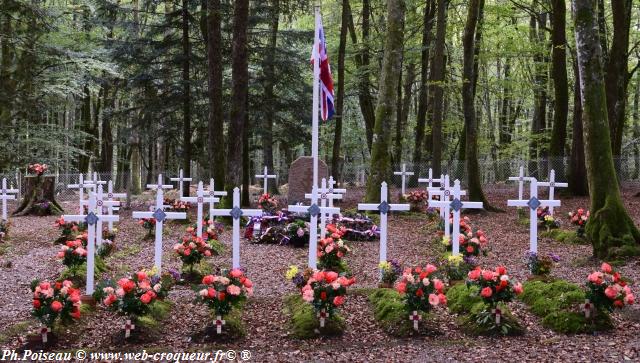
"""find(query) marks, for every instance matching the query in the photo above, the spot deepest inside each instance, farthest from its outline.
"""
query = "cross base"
(498, 313)
(219, 323)
(128, 327)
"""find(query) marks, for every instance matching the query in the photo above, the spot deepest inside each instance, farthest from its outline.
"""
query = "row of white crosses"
(6, 195)
(551, 184)
(265, 178)
(94, 221)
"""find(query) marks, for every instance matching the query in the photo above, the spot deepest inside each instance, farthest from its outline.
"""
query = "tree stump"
(39, 197)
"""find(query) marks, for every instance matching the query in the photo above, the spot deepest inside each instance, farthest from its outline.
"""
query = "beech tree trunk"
(385, 109)
(339, 116)
(186, 102)
(560, 85)
(215, 146)
(436, 87)
(577, 169)
(610, 229)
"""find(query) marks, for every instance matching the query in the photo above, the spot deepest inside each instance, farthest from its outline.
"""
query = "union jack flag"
(326, 81)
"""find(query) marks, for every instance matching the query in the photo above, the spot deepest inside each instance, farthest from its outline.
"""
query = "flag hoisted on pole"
(326, 80)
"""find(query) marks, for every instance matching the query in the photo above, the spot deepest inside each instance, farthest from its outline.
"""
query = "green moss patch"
(564, 236)
(461, 299)
(303, 323)
(233, 328)
(78, 274)
(390, 313)
(558, 304)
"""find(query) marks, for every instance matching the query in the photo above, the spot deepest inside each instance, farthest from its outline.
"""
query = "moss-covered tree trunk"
(610, 229)
(468, 105)
(39, 197)
(386, 107)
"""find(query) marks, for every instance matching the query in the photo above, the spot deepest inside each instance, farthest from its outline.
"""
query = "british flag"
(326, 81)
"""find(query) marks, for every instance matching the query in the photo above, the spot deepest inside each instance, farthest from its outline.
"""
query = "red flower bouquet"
(222, 293)
(53, 300)
(332, 249)
(326, 291)
(68, 230)
(150, 225)
(268, 204)
(37, 169)
(133, 296)
(494, 286)
(73, 253)
(417, 199)
(607, 290)
(192, 250)
(579, 218)
(420, 290)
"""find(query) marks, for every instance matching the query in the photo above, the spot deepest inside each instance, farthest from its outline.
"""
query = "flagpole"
(316, 97)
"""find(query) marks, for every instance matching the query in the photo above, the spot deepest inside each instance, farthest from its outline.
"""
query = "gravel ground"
(30, 254)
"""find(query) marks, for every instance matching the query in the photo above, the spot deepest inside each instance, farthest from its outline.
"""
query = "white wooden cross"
(552, 184)
(325, 196)
(200, 200)
(81, 186)
(219, 323)
(520, 179)
(456, 204)
(160, 216)
(92, 219)
(403, 174)
(95, 179)
(236, 213)
(128, 327)
(181, 179)
(586, 308)
(44, 332)
(415, 317)
(446, 192)
(212, 194)
(533, 203)
(497, 312)
(265, 177)
(5, 196)
(430, 180)
(322, 316)
(384, 207)
(313, 211)
(331, 183)
(110, 197)
(437, 191)
(100, 203)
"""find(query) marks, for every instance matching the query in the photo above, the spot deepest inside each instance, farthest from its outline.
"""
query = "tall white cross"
(403, 174)
(265, 177)
(325, 196)
(456, 205)
(520, 179)
(313, 211)
(110, 197)
(160, 216)
(439, 192)
(236, 213)
(94, 179)
(552, 184)
(5, 196)
(212, 194)
(81, 186)
(384, 207)
(445, 193)
(100, 203)
(200, 200)
(430, 180)
(181, 179)
(533, 203)
(93, 221)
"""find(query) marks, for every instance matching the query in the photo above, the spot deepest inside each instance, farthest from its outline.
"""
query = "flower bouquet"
(389, 273)
(68, 230)
(456, 267)
(420, 292)
(495, 288)
(606, 290)
(73, 253)
(297, 233)
(191, 250)
(541, 265)
(221, 293)
(332, 250)
(579, 218)
(150, 225)
(53, 301)
(546, 220)
(417, 200)
(268, 204)
(37, 169)
(326, 291)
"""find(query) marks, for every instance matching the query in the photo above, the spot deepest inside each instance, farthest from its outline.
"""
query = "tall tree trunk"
(423, 98)
(239, 86)
(577, 168)
(468, 102)
(106, 154)
(215, 146)
(436, 87)
(186, 102)
(87, 127)
(537, 37)
(636, 129)
(337, 138)
(385, 109)
(270, 101)
(404, 108)
(617, 74)
(610, 229)
(7, 83)
(560, 85)
(362, 63)
(246, 163)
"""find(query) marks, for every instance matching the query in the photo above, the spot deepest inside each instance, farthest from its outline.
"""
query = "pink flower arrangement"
(221, 293)
(332, 249)
(494, 286)
(192, 250)
(420, 290)
(579, 218)
(607, 289)
(132, 296)
(37, 169)
(53, 300)
(325, 290)
(73, 253)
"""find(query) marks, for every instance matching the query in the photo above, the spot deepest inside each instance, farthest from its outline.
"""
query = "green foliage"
(558, 304)
(390, 313)
(481, 321)
(564, 236)
(78, 273)
(304, 323)
(461, 298)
